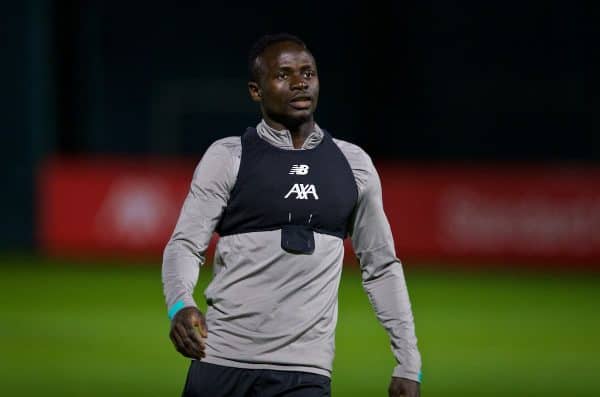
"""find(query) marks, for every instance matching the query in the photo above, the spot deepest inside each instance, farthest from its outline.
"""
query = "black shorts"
(210, 380)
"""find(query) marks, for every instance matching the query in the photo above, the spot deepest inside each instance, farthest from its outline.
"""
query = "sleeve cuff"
(175, 308)
(178, 305)
(400, 372)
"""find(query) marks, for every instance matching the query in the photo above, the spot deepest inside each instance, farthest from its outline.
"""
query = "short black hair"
(262, 44)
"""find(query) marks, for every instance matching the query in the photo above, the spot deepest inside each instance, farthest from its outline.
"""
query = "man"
(282, 198)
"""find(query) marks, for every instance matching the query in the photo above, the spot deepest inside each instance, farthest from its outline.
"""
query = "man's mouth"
(301, 102)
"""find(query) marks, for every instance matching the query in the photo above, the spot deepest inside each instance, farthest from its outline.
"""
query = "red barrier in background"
(502, 214)
(109, 206)
(461, 214)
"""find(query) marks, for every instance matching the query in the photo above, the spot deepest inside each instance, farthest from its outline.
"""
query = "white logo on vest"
(302, 191)
(299, 169)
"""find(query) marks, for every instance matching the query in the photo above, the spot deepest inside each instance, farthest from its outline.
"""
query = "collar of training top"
(283, 138)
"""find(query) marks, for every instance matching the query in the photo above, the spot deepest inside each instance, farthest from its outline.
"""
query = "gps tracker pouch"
(297, 239)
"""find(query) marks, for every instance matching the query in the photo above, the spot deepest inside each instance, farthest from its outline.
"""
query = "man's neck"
(298, 132)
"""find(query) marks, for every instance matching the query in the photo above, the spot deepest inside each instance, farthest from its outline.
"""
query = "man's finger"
(178, 343)
(400, 387)
(197, 336)
(194, 334)
(192, 346)
(203, 328)
(196, 320)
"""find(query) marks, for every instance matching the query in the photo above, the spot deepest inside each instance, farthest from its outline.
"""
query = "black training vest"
(298, 191)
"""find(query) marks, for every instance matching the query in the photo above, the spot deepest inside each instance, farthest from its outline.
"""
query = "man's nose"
(299, 84)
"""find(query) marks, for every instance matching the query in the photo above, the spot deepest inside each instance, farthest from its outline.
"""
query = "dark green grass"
(90, 330)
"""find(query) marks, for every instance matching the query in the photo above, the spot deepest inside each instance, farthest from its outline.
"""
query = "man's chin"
(296, 118)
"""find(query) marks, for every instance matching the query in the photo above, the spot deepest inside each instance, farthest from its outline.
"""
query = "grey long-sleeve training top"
(271, 309)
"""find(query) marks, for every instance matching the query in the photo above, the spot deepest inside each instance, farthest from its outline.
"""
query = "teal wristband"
(175, 308)
(420, 376)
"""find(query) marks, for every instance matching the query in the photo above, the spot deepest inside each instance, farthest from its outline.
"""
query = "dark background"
(423, 81)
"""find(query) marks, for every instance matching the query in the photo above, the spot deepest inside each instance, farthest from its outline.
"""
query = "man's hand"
(400, 387)
(188, 332)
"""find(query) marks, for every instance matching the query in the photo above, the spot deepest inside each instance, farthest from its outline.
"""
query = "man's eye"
(309, 74)
(281, 76)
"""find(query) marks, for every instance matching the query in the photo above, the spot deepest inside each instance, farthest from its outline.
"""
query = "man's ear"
(254, 91)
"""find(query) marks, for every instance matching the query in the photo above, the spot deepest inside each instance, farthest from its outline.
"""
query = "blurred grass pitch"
(69, 329)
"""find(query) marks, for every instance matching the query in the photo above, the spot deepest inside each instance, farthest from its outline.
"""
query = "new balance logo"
(299, 169)
(302, 191)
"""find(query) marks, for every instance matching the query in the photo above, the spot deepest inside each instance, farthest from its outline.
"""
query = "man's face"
(288, 85)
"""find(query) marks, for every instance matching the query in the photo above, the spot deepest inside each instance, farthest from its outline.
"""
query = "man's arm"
(383, 277)
(209, 192)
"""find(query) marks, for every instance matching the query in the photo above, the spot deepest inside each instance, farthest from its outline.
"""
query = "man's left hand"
(401, 387)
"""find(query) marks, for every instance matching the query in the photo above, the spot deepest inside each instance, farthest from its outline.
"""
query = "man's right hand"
(188, 332)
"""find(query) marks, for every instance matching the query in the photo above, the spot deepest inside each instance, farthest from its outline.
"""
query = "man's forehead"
(286, 53)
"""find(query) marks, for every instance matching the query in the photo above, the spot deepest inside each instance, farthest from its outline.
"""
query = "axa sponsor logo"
(299, 169)
(303, 191)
